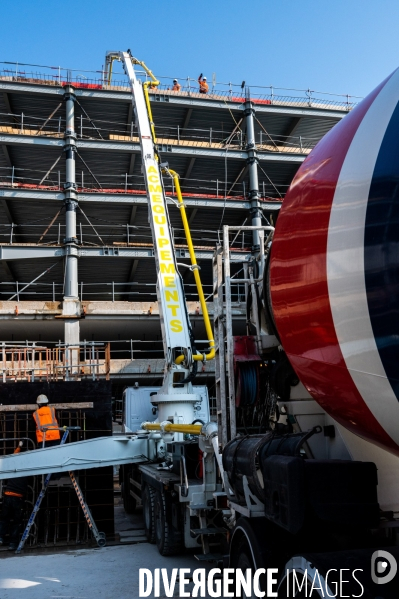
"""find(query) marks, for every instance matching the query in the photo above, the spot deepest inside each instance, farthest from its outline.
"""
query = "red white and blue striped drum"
(335, 269)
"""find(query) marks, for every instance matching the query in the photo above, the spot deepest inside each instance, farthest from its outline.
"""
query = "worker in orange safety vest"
(176, 86)
(47, 433)
(203, 86)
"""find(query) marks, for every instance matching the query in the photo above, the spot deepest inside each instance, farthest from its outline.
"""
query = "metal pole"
(229, 334)
(252, 162)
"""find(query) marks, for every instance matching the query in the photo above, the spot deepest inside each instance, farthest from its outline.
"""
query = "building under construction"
(77, 271)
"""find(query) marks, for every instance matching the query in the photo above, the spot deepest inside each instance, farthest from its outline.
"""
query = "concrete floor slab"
(85, 573)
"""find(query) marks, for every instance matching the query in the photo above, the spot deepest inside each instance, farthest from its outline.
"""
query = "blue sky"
(341, 46)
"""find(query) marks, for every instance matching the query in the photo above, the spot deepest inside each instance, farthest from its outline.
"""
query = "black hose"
(247, 371)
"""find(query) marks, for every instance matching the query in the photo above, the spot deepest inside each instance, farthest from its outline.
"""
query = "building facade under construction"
(78, 302)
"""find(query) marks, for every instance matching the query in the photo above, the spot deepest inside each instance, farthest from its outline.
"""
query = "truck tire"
(168, 539)
(129, 502)
(244, 562)
(148, 502)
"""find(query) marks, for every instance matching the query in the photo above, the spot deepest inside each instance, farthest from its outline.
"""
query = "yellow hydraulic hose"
(189, 429)
(207, 322)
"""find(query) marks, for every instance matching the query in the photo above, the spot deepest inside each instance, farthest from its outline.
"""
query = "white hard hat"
(204, 78)
(42, 399)
(174, 80)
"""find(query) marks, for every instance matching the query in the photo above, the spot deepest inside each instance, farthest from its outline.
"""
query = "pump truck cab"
(300, 470)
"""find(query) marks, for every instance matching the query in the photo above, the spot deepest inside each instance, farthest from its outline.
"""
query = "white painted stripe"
(345, 262)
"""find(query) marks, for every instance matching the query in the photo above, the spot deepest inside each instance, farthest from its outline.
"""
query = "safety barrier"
(233, 92)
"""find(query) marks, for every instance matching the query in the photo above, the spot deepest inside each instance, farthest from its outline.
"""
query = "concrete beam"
(102, 310)
(28, 252)
(135, 264)
(131, 199)
(123, 146)
(131, 164)
(133, 215)
(192, 216)
(189, 168)
(187, 118)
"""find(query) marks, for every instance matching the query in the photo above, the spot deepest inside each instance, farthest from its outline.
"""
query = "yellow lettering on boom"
(152, 169)
(155, 189)
(176, 326)
(158, 209)
(174, 308)
(171, 296)
(160, 220)
(169, 282)
(165, 255)
(162, 242)
(153, 179)
(168, 268)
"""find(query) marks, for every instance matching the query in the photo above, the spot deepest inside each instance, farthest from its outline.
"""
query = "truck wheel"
(148, 501)
(168, 539)
(129, 502)
(244, 562)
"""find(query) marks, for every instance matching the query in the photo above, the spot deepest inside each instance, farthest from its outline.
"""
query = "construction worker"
(203, 86)
(176, 86)
(47, 433)
(13, 508)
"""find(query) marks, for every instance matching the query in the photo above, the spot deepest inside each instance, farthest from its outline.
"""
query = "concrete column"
(71, 304)
(252, 162)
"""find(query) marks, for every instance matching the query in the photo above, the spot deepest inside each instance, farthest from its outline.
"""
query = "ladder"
(99, 536)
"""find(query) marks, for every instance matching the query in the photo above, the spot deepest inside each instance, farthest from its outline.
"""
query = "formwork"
(60, 520)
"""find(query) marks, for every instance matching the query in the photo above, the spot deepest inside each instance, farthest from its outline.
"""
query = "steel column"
(70, 241)
(71, 304)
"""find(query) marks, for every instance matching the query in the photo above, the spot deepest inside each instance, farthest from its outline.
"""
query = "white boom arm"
(93, 453)
(172, 304)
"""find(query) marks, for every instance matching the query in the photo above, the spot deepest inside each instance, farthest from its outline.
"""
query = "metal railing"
(132, 184)
(63, 362)
(24, 124)
(233, 92)
(104, 291)
(57, 361)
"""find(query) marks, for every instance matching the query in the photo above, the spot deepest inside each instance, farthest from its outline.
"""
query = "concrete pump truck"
(314, 494)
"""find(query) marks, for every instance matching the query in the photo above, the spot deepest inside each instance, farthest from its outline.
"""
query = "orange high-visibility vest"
(203, 86)
(45, 420)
